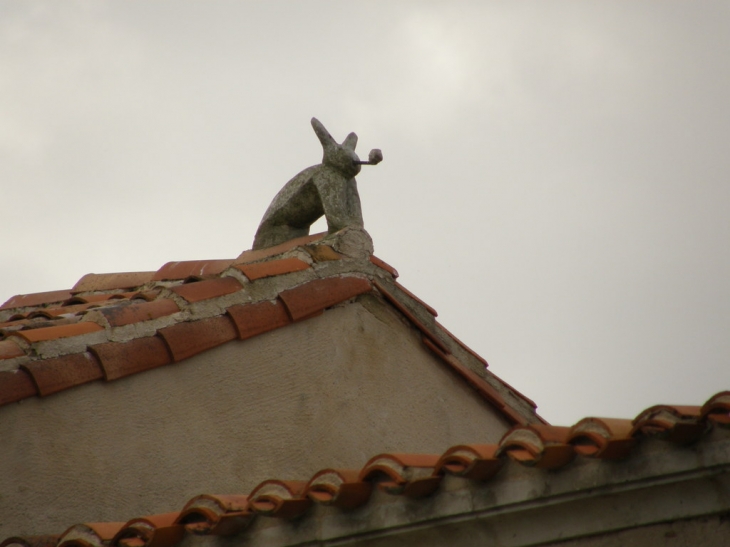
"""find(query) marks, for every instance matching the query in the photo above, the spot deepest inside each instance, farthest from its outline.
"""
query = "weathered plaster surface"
(331, 391)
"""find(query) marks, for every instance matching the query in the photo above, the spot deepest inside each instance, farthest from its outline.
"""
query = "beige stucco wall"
(332, 391)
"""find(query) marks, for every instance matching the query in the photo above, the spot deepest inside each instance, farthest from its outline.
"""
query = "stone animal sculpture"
(327, 189)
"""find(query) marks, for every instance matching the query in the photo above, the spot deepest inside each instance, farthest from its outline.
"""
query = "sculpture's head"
(342, 157)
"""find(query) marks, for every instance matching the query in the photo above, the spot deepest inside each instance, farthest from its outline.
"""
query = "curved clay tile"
(339, 487)
(410, 475)
(36, 299)
(605, 438)
(717, 408)
(53, 333)
(9, 349)
(210, 288)
(541, 446)
(271, 268)
(15, 386)
(110, 281)
(221, 515)
(191, 268)
(677, 424)
(30, 541)
(151, 531)
(472, 461)
(312, 298)
(283, 499)
(96, 534)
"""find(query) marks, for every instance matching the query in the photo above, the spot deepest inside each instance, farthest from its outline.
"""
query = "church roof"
(109, 326)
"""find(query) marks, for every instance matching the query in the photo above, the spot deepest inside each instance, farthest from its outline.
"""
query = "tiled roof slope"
(412, 477)
(109, 326)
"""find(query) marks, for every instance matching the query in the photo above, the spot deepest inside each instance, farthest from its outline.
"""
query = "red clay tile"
(63, 331)
(260, 254)
(717, 408)
(106, 282)
(339, 487)
(605, 438)
(541, 446)
(429, 309)
(282, 499)
(120, 359)
(135, 313)
(472, 461)
(272, 268)
(92, 298)
(221, 515)
(188, 339)
(323, 253)
(15, 386)
(36, 299)
(9, 349)
(54, 375)
(191, 268)
(411, 317)
(149, 296)
(150, 531)
(93, 534)
(313, 297)
(210, 288)
(384, 266)
(254, 319)
(677, 424)
(30, 541)
(50, 313)
(411, 475)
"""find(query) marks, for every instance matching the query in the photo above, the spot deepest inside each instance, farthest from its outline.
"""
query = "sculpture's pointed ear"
(350, 142)
(322, 134)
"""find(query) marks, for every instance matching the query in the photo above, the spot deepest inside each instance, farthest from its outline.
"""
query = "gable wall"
(331, 391)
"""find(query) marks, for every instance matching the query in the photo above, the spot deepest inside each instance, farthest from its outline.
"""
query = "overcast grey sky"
(555, 180)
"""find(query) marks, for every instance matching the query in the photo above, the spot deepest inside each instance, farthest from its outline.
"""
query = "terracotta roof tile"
(606, 438)
(210, 288)
(94, 298)
(411, 475)
(152, 531)
(323, 253)
(36, 299)
(191, 268)
(254, 319)
(188, 339)
(384, 266)
(717, 409)
(271, 268)
(126, 314)
(221, 515)
(15, 385)
(9, 349)
(120, 359)
(542, 446)
(472, 461)
(111, 281)
(54, 375)
(338, 487)
(95, 534)
(31, 541)
(260, 254)
(312, 298)
(53, 333)
(677, 424)
(282, 499)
